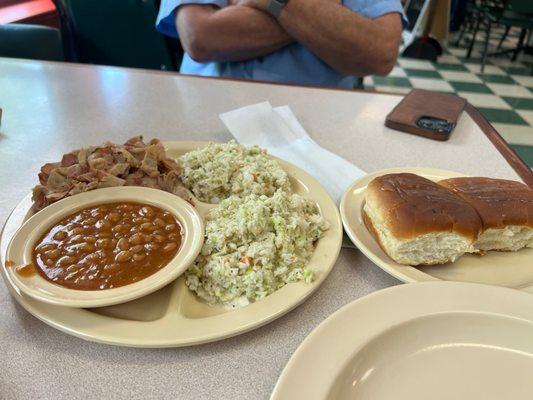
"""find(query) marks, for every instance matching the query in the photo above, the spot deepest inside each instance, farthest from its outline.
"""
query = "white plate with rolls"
(512, 269)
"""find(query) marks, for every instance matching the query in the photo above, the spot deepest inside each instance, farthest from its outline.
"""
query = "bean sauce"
(107, 246)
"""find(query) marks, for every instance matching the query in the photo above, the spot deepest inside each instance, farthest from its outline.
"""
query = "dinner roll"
(505, 208)
(418, 222)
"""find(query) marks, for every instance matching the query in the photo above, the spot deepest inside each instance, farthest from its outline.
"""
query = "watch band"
(275, 6)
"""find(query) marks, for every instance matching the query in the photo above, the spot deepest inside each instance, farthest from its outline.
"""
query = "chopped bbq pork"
(134, 163)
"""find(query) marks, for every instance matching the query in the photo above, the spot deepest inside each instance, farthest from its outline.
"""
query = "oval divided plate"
(507, 269)
(174, 316)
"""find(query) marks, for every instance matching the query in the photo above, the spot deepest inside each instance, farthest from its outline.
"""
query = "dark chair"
(482, 8)
(31, 41)
(516, 13)
(509, 13)
(115, 32)
(474, 10)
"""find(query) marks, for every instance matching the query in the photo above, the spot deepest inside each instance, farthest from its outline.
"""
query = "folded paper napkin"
(278, 131)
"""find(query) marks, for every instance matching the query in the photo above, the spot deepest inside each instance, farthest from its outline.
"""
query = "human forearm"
(348, 42)
(233, 33)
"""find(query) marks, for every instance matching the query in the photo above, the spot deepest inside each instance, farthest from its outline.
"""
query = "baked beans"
(107, 246)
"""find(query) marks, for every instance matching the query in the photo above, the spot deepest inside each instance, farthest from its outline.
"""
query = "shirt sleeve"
(165, 22)
(376, 8)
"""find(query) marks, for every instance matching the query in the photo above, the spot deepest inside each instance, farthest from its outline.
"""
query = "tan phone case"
(418, 104)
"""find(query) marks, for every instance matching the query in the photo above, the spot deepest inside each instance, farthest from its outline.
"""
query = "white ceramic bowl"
(21, 247)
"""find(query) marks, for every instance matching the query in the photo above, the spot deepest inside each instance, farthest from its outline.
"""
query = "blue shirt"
(290, 64)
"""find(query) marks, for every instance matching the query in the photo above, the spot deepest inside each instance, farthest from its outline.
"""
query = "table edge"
(510, 155)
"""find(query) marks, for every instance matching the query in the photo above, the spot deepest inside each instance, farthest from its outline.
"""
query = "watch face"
(275, 7)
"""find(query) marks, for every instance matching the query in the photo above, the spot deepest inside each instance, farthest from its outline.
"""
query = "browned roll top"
(499, 202)
(411, 205)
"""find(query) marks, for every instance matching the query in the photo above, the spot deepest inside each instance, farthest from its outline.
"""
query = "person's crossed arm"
(351, 44)
(234, 33)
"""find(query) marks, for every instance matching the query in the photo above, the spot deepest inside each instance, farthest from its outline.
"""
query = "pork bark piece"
(135, 163)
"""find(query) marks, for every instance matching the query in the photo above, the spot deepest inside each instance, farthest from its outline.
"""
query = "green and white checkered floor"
(503, 93)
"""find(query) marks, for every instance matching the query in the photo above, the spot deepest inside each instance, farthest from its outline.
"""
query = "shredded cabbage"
(255, 245)
(219, 171)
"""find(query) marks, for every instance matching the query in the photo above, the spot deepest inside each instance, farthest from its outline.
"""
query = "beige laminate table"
(51, 108)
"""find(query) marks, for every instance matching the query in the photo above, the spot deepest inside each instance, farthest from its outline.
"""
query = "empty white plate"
(432, 340)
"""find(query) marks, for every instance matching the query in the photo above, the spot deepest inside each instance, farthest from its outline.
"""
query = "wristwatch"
(275, 7)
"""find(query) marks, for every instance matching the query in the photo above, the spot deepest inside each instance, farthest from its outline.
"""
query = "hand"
(258, 4)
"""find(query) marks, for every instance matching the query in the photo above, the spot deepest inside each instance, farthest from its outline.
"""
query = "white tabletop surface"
(49, 109)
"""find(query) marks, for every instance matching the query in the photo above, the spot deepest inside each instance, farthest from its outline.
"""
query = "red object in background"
(41, 12)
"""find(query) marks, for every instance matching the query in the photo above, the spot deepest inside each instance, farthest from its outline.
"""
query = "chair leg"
(469, 53)
(520, 44)
(471, 21)
(507, 28)
(485, 46)
(461, 34)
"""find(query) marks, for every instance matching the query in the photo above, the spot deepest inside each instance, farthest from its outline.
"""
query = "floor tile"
(493, 42)
(517, 70)
(496, 78)
(470, 87)
(519, 103)
(497, 115)
(393, 89)
(509, 90)
(518, 134)
(458, 76)
(465, 43)
(504, 62)
(485, 100)
(422, 73)
(458, 52)
(398, 72)
(471, 60)
(489, 69)
(525, 58)
(391, 81)
(416, 64)
(467, 36)
(478, 56)
(448, 58)
(528, 116)
(368, 82)
(449, 67)
(525, 152)
(523, 80)
(431, 84)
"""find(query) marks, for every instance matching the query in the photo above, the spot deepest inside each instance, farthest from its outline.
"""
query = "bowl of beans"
(105, 247)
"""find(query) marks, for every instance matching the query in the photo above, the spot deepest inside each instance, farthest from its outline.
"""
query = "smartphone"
(428, 114)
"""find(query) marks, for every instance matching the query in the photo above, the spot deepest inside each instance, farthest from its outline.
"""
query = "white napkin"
(278, 131)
